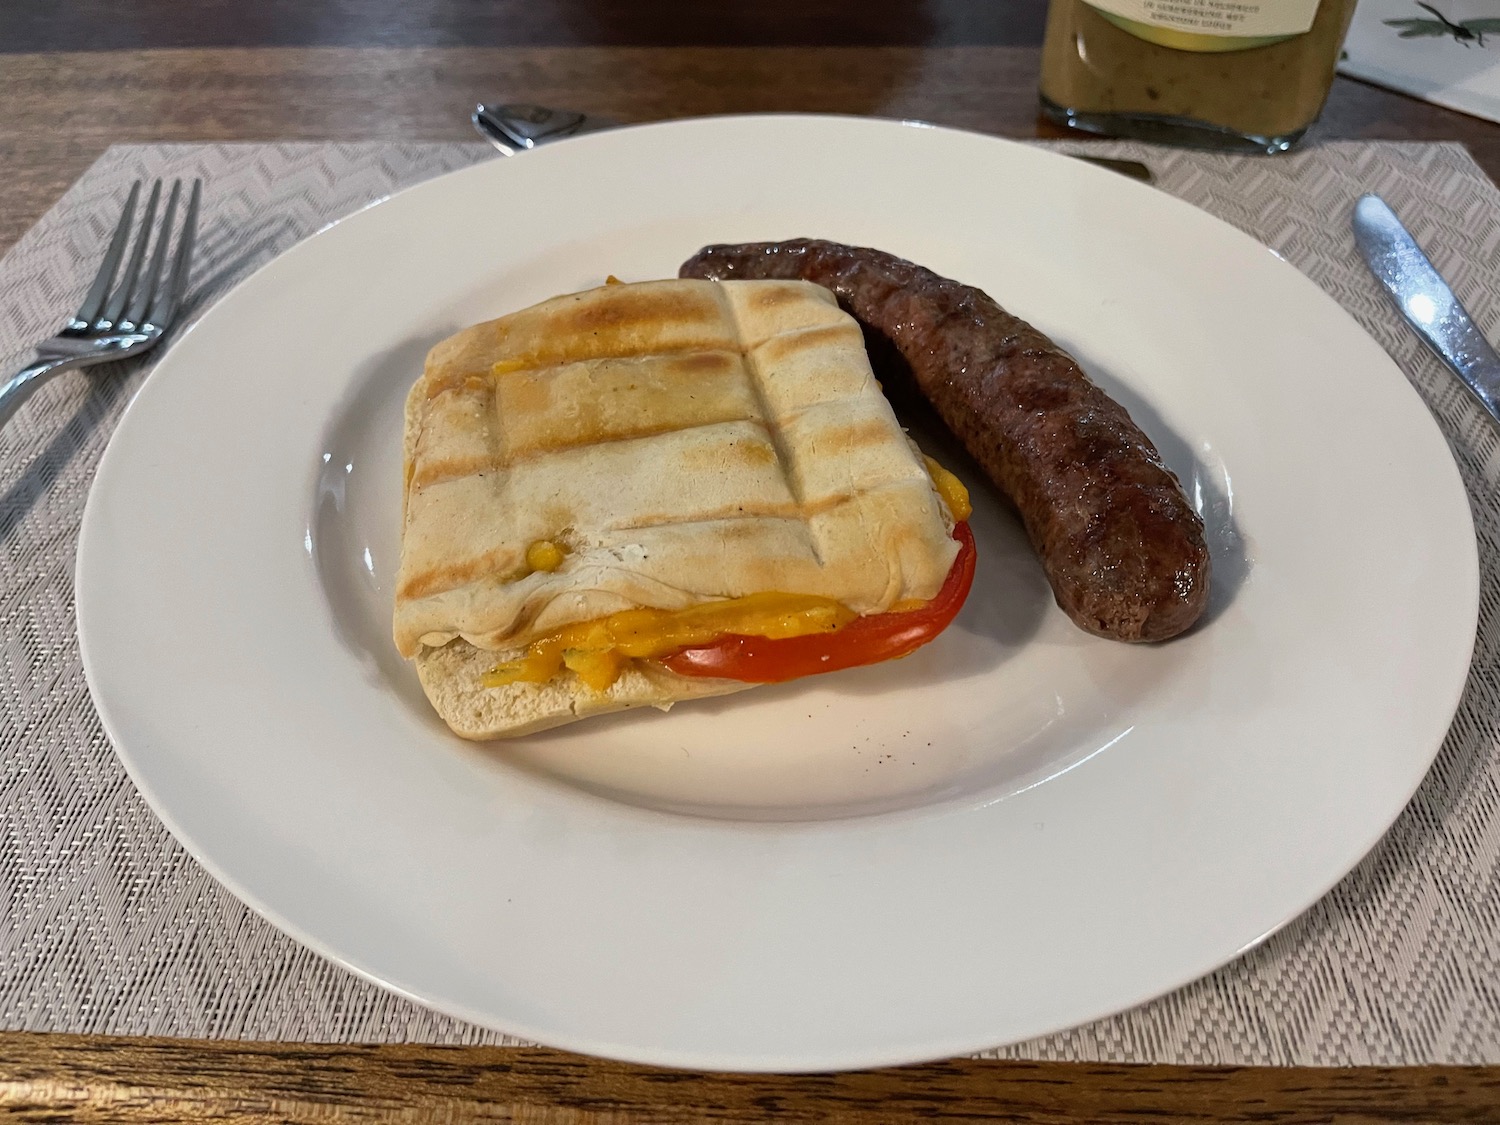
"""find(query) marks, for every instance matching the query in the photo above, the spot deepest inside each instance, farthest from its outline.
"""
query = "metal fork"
(119, 320)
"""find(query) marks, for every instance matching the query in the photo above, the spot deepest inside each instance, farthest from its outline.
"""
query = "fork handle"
(18, 388)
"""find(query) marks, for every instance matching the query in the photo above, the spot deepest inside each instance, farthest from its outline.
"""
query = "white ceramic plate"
(1018, 829)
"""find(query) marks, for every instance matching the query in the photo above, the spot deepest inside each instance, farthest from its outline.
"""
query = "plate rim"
(86, 551)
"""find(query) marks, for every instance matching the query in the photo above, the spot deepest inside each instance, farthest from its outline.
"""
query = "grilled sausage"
(1123, 549)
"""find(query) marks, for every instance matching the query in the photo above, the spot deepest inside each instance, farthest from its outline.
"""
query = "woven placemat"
(107, 926)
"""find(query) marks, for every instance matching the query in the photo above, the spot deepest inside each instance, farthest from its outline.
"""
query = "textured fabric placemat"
(107, 926)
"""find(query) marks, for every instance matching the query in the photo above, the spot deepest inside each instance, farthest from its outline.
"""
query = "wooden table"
(298, 69)
(63, 108)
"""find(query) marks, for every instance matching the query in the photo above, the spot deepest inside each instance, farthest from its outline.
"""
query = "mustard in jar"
(1245, 75)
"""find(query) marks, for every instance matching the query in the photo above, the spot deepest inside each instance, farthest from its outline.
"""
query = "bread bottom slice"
(452, 677)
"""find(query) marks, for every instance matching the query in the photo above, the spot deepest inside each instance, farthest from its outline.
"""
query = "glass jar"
(1243, 75)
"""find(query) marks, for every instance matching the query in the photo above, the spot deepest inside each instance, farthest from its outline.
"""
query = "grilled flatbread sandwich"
(646, 493)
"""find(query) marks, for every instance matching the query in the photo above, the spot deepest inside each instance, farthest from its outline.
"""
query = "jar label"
(1210, 25)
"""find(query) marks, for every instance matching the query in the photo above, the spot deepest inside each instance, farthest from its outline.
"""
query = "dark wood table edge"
(49, 1077)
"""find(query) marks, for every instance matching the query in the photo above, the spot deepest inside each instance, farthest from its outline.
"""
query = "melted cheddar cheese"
(951, 489)
(598, 651)
(544, 555)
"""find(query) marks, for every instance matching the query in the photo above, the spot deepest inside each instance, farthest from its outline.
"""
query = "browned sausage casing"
(1122, 547)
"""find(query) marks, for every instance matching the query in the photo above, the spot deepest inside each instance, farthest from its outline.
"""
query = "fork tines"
(144, 297)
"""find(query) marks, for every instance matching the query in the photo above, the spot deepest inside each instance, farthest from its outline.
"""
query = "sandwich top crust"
(656, 445)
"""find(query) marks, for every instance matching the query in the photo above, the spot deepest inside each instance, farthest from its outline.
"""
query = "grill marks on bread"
(578, 403)
(685, 440)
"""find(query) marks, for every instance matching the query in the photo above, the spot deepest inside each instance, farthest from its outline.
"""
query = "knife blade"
(1425, 300)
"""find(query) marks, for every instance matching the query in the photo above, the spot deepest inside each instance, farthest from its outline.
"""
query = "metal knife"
(1425, 300)
(516, 127)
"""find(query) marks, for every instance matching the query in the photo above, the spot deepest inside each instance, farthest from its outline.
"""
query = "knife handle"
(1425, 300)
